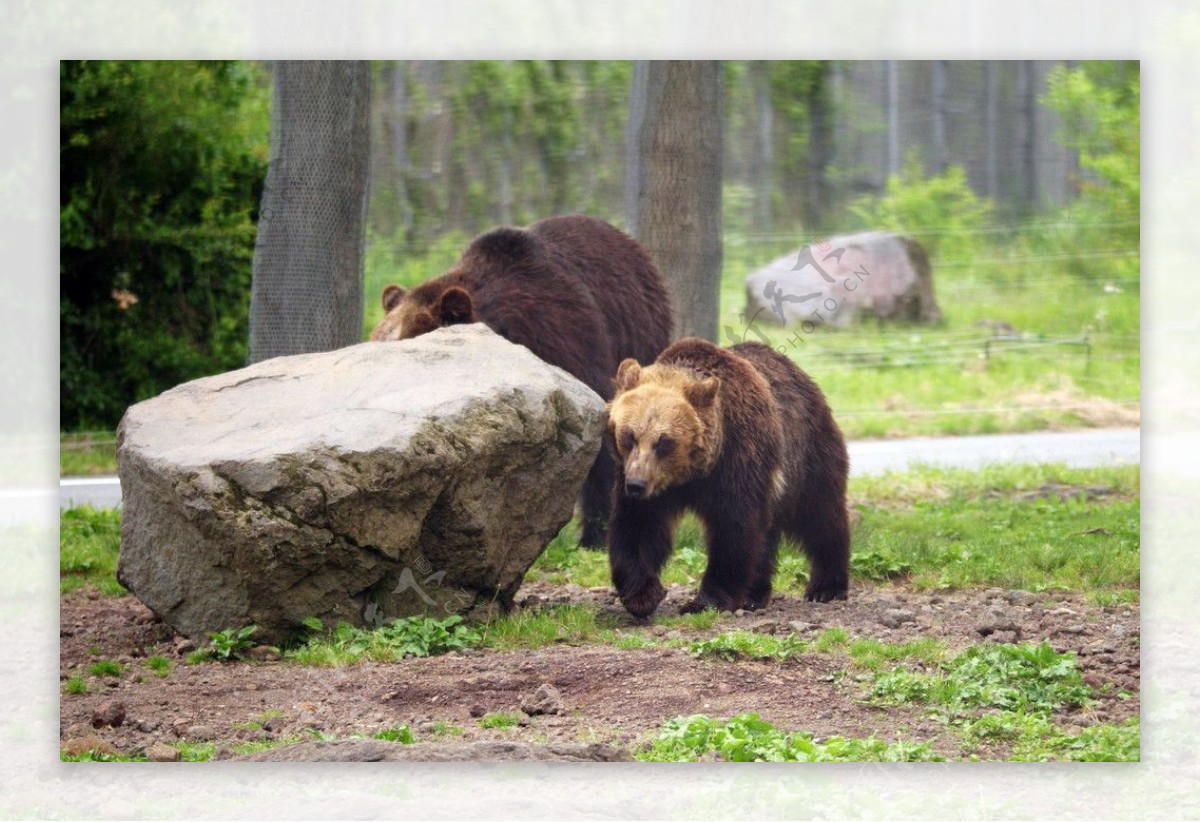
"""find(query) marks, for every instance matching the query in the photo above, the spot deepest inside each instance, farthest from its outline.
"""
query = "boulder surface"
(377, 481)
(883, 274)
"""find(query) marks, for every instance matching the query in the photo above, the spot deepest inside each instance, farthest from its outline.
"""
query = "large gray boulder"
(886, 275)
(376, 481)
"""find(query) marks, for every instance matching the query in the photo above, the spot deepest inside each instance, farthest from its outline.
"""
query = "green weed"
(1033, 679)
(105, 667)
(499, 719)
(160, 665)
(408, 637)
(75, 685)
(401, 734)
(748, 738)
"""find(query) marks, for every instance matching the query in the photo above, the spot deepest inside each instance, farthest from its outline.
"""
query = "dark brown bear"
(743, 438)
(575, 291)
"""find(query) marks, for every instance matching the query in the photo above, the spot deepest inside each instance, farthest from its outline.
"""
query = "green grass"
(160, 665)
(87, 454)
(893, 380)
(499, 719)
(75, 685)
(1030, 527)
(1027, 527)
(88, 544)
(545, 626)
(105, 667)
(747, 738)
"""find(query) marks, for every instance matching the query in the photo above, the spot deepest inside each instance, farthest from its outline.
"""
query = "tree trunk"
(893, 117)
(764, 153)
(820, 148)
(989, 126)
(1027, 97)
(941, 148)
(308, 257)
(674, 188)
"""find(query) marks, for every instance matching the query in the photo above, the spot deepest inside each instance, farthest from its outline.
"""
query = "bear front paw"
(643, 602)
(825, 593)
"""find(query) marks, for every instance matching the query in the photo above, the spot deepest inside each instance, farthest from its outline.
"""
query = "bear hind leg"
(735, 554)
(824, 531)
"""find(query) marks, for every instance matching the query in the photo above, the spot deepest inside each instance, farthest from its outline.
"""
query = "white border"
(1165, 36)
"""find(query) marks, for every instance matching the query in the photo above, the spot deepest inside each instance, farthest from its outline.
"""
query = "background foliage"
(162, 166)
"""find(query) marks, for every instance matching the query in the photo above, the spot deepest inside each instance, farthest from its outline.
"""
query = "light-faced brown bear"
(574, 290)
(745, 439)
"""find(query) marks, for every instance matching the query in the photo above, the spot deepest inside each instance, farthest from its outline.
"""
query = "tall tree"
(674, 188)
(308, 260)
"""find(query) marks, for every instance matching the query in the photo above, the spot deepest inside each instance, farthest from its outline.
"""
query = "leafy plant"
(1034, 679)
(401, 734)
(942, 211)
(407, 637)
(749, 738)
(878, 565)
(229, 644)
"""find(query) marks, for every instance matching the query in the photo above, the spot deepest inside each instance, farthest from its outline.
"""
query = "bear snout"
(635, 489)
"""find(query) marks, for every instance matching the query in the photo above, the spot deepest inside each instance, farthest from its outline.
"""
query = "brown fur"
(574, 290)
(751, 447)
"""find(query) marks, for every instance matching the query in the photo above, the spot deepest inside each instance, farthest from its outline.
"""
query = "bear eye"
(628, 441)
(664, 446)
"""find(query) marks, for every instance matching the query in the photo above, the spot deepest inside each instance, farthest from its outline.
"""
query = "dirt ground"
(612, 696)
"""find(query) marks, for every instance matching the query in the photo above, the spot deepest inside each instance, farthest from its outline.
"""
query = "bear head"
(409, 314)
(664, 425)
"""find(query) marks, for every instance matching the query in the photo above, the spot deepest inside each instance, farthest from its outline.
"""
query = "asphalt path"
(1078, 449)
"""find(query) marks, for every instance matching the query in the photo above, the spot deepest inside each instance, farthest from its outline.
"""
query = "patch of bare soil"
(609, 696)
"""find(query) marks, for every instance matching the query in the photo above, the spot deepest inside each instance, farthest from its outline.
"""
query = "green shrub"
(161, 166)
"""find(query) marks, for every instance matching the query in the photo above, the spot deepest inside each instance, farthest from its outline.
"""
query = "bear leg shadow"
(595, 502)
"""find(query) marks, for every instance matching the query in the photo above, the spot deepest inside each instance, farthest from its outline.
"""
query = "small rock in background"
(202, 733)
(895, 617)
(477, 711)
(91, 743)
(110, 713)
(1020, 598)
(545, 700)
(764, 626)
(264, 653)
(161, 752)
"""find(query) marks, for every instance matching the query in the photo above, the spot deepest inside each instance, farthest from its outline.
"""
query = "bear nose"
(635, 488)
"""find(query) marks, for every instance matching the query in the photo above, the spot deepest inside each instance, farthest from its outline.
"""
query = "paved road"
(1080, 449)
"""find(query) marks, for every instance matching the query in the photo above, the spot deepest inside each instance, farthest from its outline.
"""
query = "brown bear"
(574, 290)
(745, 439)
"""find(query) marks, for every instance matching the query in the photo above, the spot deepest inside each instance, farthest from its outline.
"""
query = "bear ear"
(392, 295)
(456, 307)
(628, 374)
(702, 393)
